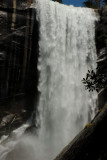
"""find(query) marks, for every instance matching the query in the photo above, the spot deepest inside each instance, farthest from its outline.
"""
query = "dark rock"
(22, 4)
(18, 59)
(101, 30)
(31, 130)
(6, 120)
(11, 122)
(101, 45)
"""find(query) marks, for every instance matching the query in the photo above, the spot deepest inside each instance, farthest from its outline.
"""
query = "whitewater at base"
(66, 52)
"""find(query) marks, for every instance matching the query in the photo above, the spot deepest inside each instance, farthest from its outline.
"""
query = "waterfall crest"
(66, 51)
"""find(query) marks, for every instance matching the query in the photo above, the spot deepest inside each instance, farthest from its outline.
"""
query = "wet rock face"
(12, 121)
(18, 58)
(101, 30)
(19, 4)
(101, 44)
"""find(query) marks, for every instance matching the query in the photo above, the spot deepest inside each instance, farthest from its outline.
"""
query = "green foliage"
(90, 4)
(94, 3)
(60, 1)
(95, 81)
(105, 2)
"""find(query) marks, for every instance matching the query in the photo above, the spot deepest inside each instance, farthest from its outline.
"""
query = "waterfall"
(66, 52)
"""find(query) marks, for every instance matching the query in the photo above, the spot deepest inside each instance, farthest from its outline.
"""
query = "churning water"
(67, 51)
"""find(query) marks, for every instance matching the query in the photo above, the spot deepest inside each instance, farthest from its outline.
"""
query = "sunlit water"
(67, 51)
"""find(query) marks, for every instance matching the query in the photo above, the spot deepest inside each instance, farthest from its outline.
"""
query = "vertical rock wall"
(101, 44)
(18, 58)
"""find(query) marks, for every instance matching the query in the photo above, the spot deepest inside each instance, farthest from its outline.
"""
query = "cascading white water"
(67, 51)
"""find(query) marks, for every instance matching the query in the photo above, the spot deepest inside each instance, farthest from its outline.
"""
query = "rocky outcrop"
(18, 62)
(101, 44)
(101, 30)
(11, 121)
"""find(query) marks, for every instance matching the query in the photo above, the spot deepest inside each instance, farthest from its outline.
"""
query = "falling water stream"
(66, 51)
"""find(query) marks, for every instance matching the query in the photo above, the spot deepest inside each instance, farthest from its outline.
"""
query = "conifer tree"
(60, 1)
(105, 2)
(93, 3)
